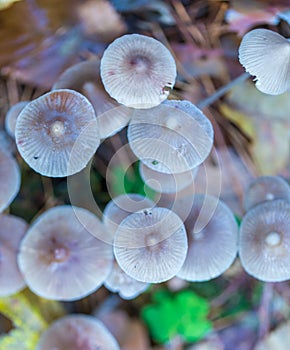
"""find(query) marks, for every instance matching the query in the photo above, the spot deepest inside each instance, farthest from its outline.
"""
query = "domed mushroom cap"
(266, 55)
(173, 137)
(48, 128)
(266, 188)
(212, 249)
(166, 183)
(77, 332)
(120, 207)
(127, 287)
(138, 71)
(60, 258)
(11, 117)
(12, 230)
(84, 78)
(264, 241)
(151, 245)
(9, 179)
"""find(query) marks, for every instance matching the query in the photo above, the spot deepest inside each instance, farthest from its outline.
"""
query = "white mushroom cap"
(264, 241)
(127, 287)
(213, 249)
(173, 137)
(59, 257)
(137, 71)
(49, 127)
(166, 183)
(266, 188)
(122, 206)
(77, 332)
(12, 230)
(266, 54)
(11, 117)
(9, 179)
(151, 245)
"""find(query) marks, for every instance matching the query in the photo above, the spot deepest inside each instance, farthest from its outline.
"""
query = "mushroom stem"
(222, 91)
(264, 312)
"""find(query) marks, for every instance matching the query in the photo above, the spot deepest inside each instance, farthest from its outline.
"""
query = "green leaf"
(183, 314)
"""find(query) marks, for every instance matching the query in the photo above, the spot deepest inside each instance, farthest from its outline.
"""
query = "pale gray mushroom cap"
(120, 207)
(77, 332)
(12, 230)
(138, 71)
(173, 137)
(60, 258)
(151, 245)
(10, 179)
(127, 287)
(213, 249)
(266, 188)
(264, 241)
(84, 78)
(11, 117)
(266, 55)
(166, 183)
(57, 134)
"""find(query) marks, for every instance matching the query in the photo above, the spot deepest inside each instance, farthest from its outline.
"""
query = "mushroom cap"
(12, 230)
(84, 78)
(266, 188)
(57, 134)
(264, 241)
(127, 287)
(11, 117)
(9, 179)
(77, 332)
(173, 137)
(166, 183)
(150, 245)
(212, 249)
(137, 71)
(120, 207)
(266, 54)
(59, 257)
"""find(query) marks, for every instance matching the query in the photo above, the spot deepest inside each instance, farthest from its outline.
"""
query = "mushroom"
(264, 241)
(212, 249)
(266, 188)
(9, 179)
(138, 71)
(127, 287)
(166, 183)
(120, 207)
(173, 137)
(11, 117)
(60, 258)
(12, 230)
(84, 78)
(150, 245)
(266, 54)
(57, 134)
(77, 332)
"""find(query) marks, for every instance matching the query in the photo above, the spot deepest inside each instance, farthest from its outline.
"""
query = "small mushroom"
(266, 188)
(77, 332)
(150, 245)
(12, 230)
(138, 71)
(266, 55)
(60, 258)
(213, 249)
(264, 241)
(9, 179)
(166, 183)
(173, 137)
(11, 117)
(57, 134)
